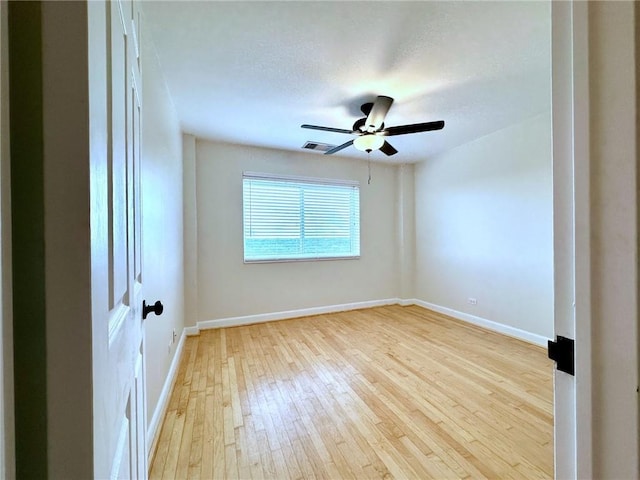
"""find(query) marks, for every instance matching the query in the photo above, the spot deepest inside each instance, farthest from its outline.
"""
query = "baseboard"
(465, 317)
(190, 331)
(304, 312)
(153, 432)
(482, 322)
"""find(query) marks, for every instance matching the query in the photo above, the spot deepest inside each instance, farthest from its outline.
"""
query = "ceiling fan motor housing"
(360, 125)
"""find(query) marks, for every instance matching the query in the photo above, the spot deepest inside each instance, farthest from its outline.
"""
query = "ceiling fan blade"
(339, 147)
(413, 128)
(388, 149)
(327, 129)
(378, 112)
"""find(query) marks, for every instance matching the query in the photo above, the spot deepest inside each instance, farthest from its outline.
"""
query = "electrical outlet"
(472, 301)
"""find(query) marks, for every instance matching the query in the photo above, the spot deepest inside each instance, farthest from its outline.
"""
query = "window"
(292, 218)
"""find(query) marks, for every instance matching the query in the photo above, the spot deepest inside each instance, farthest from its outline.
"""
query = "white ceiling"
(253, 72)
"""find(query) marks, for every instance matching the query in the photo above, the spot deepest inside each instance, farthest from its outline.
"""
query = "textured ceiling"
(253, 72)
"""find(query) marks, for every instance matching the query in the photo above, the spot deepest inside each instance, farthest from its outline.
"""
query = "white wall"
(190, 209)
(613, 103)
(162, 223)
(228, 288)
(484, 228)
(407, 230)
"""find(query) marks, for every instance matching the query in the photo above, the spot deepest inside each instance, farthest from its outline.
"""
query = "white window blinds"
(293, 218)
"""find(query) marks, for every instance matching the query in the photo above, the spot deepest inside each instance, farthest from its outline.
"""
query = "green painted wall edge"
(27, 222)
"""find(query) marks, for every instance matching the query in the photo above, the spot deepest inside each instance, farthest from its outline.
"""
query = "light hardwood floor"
(389, 392)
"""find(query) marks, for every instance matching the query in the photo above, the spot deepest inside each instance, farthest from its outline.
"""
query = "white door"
(572, 394)
(119, 384)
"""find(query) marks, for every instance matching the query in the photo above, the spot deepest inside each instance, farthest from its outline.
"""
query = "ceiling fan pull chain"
(369, 166)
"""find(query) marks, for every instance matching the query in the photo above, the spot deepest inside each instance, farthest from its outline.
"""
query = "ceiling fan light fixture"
(368, 143)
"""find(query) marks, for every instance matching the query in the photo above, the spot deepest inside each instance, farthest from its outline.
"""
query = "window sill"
(289, 260)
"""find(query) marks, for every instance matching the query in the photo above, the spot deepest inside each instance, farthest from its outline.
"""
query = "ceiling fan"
(370, 130)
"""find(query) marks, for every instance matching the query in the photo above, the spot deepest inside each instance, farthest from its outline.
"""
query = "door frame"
(572, 250)
(595, 181)
(7, 451)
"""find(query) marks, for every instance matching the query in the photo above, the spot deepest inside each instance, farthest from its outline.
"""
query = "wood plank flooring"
(389, 392)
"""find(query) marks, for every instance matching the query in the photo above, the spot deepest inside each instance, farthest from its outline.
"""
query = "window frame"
(299, 180)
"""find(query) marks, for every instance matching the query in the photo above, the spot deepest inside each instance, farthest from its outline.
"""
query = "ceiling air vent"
(317, 146)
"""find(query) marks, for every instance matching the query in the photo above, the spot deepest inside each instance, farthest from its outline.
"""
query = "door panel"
(121, 461)
(136, 183)
(138, 393)
(118, 100)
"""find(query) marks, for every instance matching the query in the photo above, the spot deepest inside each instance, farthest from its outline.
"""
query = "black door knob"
(156, 308)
